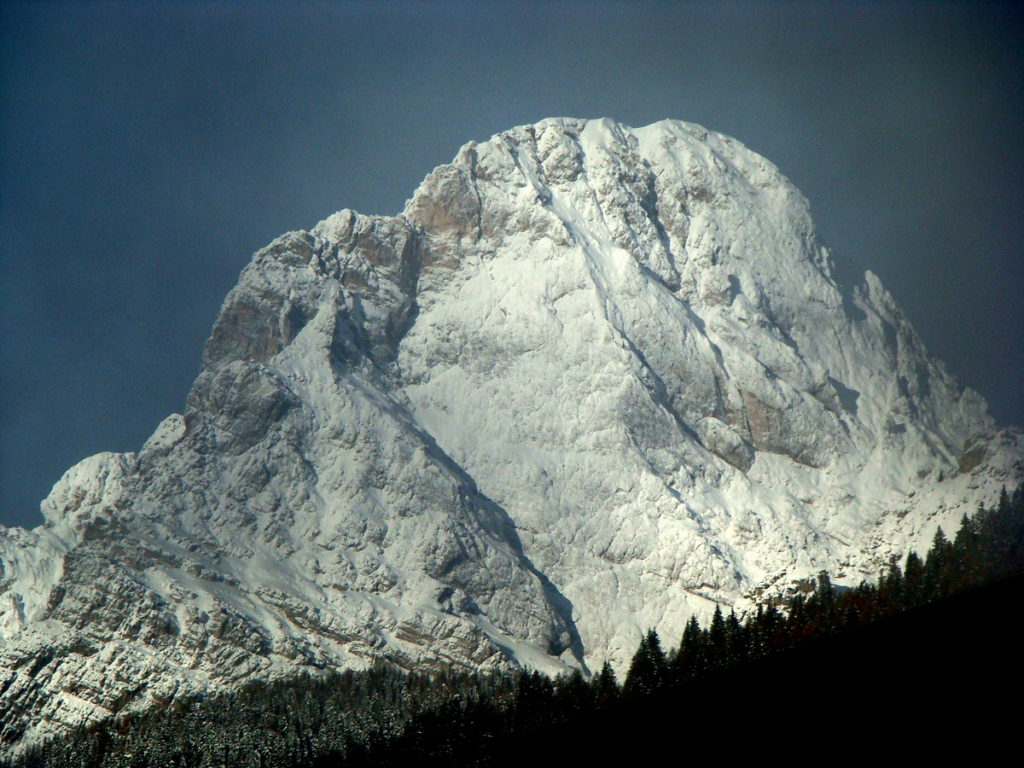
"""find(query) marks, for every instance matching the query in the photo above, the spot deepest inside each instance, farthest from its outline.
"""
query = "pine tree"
(689, 662)
(735, 641)
(826, 595)
(572, 694)
(797, 622)
(647, 670)
(658, 656)
(936, 567)
(1004, 500)
(605, 686)
(913, 581)
(716, 639)
(889, 595)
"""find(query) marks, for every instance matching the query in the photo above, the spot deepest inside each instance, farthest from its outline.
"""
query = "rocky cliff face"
(593, 379)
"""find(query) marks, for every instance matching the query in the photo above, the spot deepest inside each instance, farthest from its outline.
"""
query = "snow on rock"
(592, 380)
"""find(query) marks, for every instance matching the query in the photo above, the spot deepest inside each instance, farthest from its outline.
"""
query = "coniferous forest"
(926, 661)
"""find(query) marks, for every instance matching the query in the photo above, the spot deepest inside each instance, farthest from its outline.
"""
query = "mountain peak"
(593, 379)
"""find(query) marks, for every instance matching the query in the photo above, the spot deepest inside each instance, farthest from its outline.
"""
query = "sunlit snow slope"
(593, 379)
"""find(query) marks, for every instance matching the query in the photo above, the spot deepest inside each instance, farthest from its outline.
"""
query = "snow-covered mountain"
(593, 379)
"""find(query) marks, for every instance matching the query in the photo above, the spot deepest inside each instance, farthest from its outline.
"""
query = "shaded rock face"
(592, 380)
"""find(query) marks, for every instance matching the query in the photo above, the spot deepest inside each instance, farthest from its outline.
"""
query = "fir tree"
(890, 588)
(647, 670)
(690, 661)
(936, 579)
(826, 595)
(605, 686)
(913, 581)
(716, 639)
(735, 641)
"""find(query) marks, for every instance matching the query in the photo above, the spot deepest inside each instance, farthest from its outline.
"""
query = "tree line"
(388, 717)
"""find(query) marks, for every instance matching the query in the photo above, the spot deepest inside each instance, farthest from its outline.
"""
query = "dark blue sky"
(146, 149)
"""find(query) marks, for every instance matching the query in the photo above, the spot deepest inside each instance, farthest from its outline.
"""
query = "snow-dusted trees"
(385, 716)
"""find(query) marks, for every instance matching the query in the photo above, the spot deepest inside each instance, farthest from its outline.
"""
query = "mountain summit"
(593, 379)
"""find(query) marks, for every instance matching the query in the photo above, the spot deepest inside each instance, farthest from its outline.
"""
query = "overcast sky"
(147, 149)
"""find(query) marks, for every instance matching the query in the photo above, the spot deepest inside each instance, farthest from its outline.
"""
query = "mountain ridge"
(591, 380)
